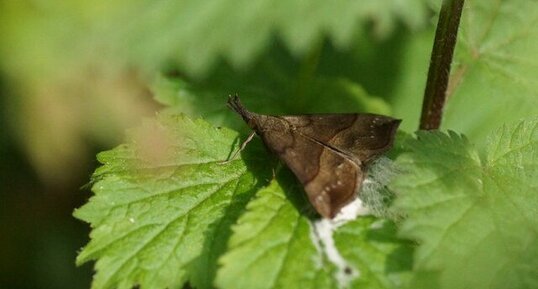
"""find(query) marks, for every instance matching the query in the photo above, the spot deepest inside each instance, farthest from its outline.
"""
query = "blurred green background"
(75, 74)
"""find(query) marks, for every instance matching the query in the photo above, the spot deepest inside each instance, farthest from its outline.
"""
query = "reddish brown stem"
(441, 59)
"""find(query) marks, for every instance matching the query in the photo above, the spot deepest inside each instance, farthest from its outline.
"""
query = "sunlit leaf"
(164, 202)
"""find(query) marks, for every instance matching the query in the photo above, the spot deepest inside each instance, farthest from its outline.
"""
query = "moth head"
(235, 104)
(253, 124)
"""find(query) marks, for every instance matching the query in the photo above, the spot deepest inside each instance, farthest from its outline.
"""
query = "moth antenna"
(235, 104)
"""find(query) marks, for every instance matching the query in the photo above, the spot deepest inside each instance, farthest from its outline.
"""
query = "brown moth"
(329, 153)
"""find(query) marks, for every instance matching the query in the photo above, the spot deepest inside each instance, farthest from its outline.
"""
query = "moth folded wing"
(369, 137)
(330, 179)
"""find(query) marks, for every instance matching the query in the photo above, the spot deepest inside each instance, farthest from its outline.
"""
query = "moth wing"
(363, 136)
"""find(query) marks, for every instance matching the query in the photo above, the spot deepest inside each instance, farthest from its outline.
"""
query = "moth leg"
(276, 169)
(241, 148)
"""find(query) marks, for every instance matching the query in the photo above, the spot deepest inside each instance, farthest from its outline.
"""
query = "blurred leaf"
(476, 220)
(408, 91)
(65, 96)
(276, 86)
(495, 79)
(376, 64)
(163, 203)
(271, 247)
(195, 33)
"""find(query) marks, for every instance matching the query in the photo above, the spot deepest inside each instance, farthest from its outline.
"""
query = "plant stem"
(441, 59)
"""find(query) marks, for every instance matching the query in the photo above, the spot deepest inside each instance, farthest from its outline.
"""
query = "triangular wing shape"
(327, 152)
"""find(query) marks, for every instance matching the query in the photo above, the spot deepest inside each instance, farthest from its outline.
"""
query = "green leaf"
(371, 245)
(476, 219)
(271, 245)
(197, 33)
(274, 246)
(164, 203)
(495, 77)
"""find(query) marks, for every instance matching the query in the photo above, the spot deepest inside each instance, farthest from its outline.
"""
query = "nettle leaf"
(495, 58)
(196, 33)
(274, 246)
(164, 203)
(475, 218)
(371, 245)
